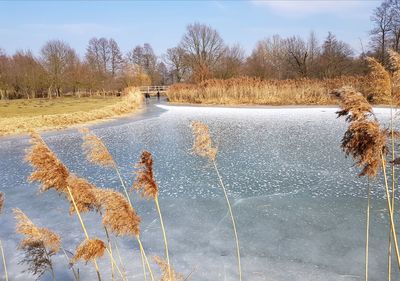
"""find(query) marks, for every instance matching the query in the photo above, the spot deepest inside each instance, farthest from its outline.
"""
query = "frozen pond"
(299, 204)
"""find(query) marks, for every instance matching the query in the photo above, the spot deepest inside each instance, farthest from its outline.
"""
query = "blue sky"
(29, 24)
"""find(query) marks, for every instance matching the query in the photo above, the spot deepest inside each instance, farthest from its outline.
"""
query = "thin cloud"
(314, 7)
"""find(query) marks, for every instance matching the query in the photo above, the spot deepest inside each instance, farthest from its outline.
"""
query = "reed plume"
(51, 173)
(89, 250)
(378, 82)
(39, 244)
(97, 153)
(394, 59)
(95, 150)
(202, 146)
(146, 183)
(167, 273)
(352, 103)
(49, 170)
(365, 141)
(118, 215)
(83, 193)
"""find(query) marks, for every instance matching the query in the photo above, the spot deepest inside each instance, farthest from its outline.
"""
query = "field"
(36, 107)
(21, 116)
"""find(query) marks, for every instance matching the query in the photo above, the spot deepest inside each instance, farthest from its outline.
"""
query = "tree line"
(201, 54)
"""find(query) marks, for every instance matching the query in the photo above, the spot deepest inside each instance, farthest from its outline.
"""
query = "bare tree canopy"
(204, 48)
(58, 58)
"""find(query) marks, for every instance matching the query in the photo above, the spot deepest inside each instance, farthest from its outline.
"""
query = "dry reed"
(52, 174)
(146, 183)
(378, 81)
(167, 273)
(202, 146)
(95, 150)
(118, 215)
(89, 250)
(39, 244)
(49, 170)
(83, 193)
(97, 153)
(247, 90)
(365, 141)
(131, 102)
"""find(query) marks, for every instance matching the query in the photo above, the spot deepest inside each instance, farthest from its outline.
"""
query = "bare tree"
(231, 63)
(57, 58)
(268, 59)
(28, 75)
(175, 60)
(336, 58)
(144, 57)
(116, 60)
(298, 55)
(204, 48)
(382, 18)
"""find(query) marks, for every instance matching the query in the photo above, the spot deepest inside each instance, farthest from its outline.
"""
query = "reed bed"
(131, 101)
(248, 90)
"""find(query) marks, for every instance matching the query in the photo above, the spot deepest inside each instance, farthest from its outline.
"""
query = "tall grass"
(202, 146)
(130, 102)
(247, 90)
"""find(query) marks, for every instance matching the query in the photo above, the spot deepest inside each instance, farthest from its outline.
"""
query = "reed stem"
(367, 232)
(120, 260)
(53, 277)
(142, 252)
(392, 225)
(115, 264)
(76, 277)
(393, 193)
(84, 229)
(111, 253)
(233, 220)
(145, 257)
(164, 234)
(4, 260)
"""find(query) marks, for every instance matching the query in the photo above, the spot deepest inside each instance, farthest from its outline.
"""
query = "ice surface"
(299, 204)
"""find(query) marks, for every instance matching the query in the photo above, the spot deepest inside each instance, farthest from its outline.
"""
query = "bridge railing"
(152, 89)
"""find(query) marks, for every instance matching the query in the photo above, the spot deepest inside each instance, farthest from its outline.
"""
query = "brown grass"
(89, 250)
(118, 216)
(131, 102)
(167, 272)
(48, 169)
(95, 150)
(247, 90)
(34, 234)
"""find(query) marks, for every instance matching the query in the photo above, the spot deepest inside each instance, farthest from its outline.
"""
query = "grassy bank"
(21, 116)
(36, 107)
(246, 90)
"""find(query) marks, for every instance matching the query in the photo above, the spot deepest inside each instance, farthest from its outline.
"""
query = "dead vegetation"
(130, 102)
(248, 90)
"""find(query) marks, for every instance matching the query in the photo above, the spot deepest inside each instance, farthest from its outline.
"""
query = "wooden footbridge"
(152, 90)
